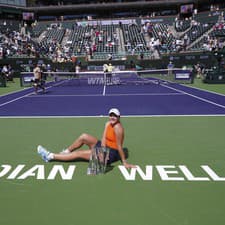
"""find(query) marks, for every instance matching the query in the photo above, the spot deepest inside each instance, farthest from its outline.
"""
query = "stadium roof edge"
(121, 5)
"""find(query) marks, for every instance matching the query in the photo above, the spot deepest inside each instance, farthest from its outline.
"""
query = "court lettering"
(37, 171)
(170, 173)
(147, 173)
(103, 81)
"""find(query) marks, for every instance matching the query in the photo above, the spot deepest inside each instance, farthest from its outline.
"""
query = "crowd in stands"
(63, 40)
(211, 42)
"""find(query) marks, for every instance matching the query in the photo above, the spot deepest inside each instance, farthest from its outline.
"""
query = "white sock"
(50, 156)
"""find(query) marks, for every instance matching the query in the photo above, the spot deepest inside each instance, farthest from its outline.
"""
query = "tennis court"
(74, 98)
(174, 133)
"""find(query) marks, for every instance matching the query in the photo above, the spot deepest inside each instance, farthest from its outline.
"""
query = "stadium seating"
(101, 40)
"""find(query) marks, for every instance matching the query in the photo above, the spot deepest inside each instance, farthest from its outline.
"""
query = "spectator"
(170, 68)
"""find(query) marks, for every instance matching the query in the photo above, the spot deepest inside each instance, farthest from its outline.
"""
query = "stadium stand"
(91, 40)
(147, 37)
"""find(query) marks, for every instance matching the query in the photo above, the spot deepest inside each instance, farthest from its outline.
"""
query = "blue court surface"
(133, 100)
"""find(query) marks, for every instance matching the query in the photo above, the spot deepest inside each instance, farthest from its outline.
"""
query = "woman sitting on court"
(112, 138)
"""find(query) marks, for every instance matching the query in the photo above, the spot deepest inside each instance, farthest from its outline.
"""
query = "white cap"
(114, 111)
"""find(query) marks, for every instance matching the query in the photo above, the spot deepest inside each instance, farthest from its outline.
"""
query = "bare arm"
(120, 137)
(104, 136)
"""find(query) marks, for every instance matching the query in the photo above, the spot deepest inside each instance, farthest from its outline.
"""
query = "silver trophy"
(98, 161)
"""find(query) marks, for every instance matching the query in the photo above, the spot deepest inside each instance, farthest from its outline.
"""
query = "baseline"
(194, 96)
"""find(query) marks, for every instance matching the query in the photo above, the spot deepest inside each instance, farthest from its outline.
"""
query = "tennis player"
(113, 137)
(109, 74)
(38, 79)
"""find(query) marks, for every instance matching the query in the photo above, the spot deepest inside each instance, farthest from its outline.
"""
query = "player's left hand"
(128, 166)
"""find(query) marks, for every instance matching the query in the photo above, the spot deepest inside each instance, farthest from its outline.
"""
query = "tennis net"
(125, 77)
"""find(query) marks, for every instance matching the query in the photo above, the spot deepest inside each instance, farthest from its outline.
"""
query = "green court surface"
(11, 87)
(27, 198)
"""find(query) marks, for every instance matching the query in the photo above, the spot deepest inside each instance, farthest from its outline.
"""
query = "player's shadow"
(111, 167)
(126, 152)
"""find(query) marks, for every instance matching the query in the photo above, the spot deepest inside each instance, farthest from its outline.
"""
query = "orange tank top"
(111, 137)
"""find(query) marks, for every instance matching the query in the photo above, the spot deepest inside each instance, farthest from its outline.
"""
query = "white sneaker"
(46, 155)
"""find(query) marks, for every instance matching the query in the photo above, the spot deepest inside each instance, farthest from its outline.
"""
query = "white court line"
(201, 89)
(13, 92)
(105, 116)
(16, 99)
(99, 95)
(128, 94)
(23, 96)
(194, 96)
(31, 95)
(58, 83)
(104, 90)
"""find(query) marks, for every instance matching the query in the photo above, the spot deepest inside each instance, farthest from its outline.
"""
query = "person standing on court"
(105, 72)
(109, 74)
(38, 81)
(170, 68)
(77, 70)
(112, 138)
(110, 68)
(105, 68)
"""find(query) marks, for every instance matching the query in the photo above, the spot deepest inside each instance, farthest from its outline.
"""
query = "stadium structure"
(131, 34)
